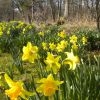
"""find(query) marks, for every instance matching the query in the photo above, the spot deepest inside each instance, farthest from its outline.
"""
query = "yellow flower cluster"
(73, 39)
(49, 85)
(84, 40)
(52, 46)
(30, 53)
(62, 34)
(28, 27)
(44, 45)
(75, 47)
(41, 33)
(1, 32)
(62, 45)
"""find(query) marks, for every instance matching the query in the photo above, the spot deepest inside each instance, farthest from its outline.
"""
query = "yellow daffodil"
(71, 60)
(61, 46)
(44, 45)
(52, 62)
(8, 31)
(27, 28)
(73, 39)
(48, 85)
(16, 89)
(52, 46)
(62, 34)
(84, 40)
(75, 47)
(21, 24)
(30, 26)
(24, 29)
(1, 31)
(30, 52)
(41, 33)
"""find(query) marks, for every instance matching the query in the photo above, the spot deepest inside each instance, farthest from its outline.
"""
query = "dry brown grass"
(76, 25)
(70, 26)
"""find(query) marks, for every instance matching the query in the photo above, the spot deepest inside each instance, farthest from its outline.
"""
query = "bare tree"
(59, 8)
(66, 9)
(53, 9)
(98, 14)
(45, 10)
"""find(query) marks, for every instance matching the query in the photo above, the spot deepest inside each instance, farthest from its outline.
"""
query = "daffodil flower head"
(61, 46)
(44, 45)
(48, 85)
(52, 46)
(84, 40)
(71, 60)
(16, 89)
(52, 63)
(1, 31)
(62, 34)
(41, 33)
(24, 29)
(30, 53)
(75, 47)
(73, 39)
(8, 31)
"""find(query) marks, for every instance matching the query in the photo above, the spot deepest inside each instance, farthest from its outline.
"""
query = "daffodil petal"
(9, 81)
(40, 88)
(28, 93)
(42, 80)
(23, 96)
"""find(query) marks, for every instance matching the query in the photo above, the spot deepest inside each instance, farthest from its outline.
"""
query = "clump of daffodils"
(74, 47)
(41, 33)
(30, 53)
(62, 34)
(52, 46)
(48, 85)
(84, 40)
(44, 45)
(73, 39)
(1, 31)
(61, 46)
(27, 28)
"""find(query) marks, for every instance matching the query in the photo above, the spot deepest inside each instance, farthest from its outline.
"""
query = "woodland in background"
(50, 10)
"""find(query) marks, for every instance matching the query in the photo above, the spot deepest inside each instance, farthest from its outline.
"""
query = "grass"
(75, 25)
(5, 61)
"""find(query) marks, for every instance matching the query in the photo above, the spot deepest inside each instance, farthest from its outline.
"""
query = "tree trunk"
(13, 13)
(59, 8)
(98, 14)
(80, 9)
(53, 9)
(32, 9)
(66, 9)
